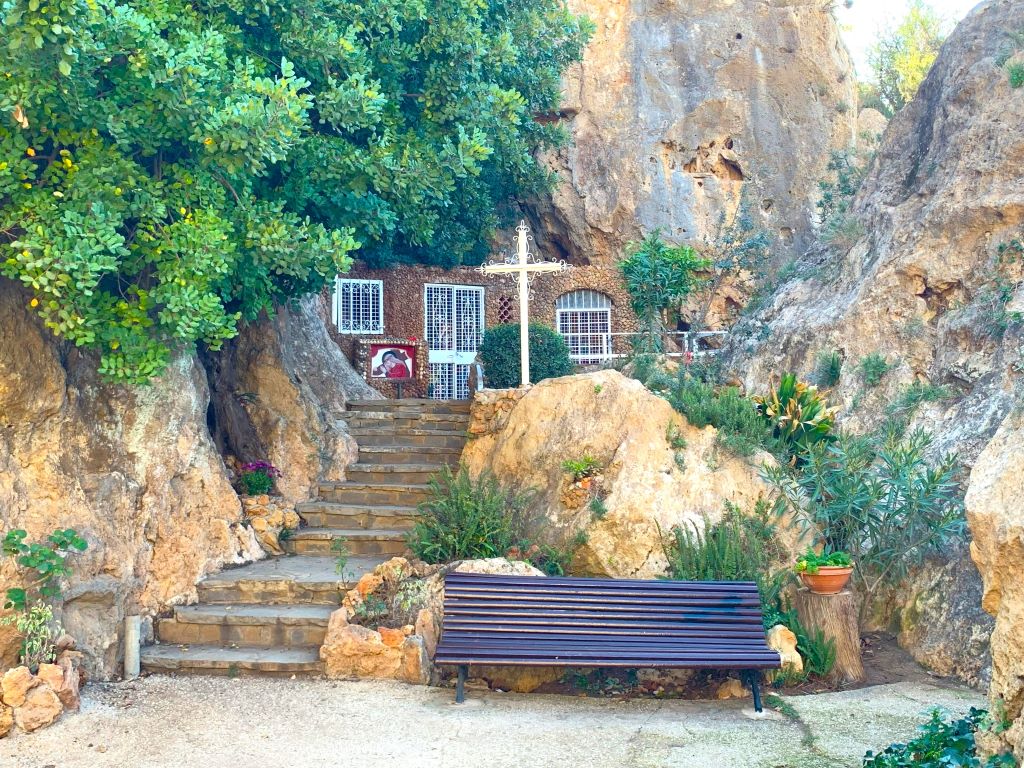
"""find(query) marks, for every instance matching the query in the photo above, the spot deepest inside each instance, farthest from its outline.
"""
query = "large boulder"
(133, 469)
(997, 529)
(657, 471)
(929, 285)
(279, 391)
(682, 111)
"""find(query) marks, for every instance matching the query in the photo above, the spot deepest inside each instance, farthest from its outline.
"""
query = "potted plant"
(826, 573)
(582, 470)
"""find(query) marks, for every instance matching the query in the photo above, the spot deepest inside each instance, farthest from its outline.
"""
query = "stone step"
(394, 454)
(326, 514)
(412, 405)
(283, 580)
(427, 421)
(243, 625)
(383, 542)
(409, 438)
(414, 474)
(220, 660)
(384, 494)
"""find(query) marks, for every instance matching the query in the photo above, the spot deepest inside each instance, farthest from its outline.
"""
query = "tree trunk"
(836, 617)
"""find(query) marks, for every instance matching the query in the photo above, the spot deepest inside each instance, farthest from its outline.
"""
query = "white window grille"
(454, 327)
(584, 318)
(358, 306)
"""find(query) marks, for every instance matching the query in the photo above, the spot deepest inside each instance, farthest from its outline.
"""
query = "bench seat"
(585, 622)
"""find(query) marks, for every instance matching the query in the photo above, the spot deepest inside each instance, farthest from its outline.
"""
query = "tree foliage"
(658, 275)
(168, 168)
(903, 55)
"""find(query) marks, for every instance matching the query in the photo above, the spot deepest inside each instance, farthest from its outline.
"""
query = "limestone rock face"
(680, 110)
(924, 284)
(132, 469)
(997, 528)
(645, 483)
(279, 389)
(354, 651)
(6, 720)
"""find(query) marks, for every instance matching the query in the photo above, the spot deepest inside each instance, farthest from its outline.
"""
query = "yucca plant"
(797, 413)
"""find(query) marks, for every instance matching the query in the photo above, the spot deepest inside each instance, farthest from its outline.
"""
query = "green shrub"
(587, 466)
(257, 477)
(941, 743)
(829, 369)
(598, 508)
(657, 276)
(1016, 73)
(873, 368)
(468, 519)
(739, 547)
(741, 429)
(797, 414)
(876, 498)
(499, 352)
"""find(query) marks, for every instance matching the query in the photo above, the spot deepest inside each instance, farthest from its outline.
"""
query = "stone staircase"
(270, 618)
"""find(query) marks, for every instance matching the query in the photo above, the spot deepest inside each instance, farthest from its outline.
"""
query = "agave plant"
(797, 413)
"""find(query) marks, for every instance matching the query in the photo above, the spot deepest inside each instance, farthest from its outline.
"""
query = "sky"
(862, 22)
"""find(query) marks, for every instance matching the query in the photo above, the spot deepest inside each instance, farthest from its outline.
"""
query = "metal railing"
(597, 348)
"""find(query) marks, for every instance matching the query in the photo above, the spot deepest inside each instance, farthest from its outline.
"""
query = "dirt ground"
(169, 722)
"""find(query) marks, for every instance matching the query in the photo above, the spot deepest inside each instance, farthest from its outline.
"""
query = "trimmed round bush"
(499, 352)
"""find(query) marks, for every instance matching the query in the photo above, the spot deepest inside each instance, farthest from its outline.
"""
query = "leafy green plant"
(339, 548)
(499, 353)
(817, 651)
(811, 561)
(838, 224)
(876, 498)
(465, 518)
(587, 466)
(44, 565)
(257, 477)
(598, 508)
(739, 547)
(657, 276)
(741, 429)
(168, 169)
(38, 631)
(829, 369)
(941, 743)
(797, 413)
(873, 368)
(1015, 71)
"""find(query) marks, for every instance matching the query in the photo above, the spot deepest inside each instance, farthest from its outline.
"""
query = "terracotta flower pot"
(585, 482)
(829, 580)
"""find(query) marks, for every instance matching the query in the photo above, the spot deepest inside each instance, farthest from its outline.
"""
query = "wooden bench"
(576, 622)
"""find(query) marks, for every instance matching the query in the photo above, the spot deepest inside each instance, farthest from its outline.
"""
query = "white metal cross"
(524, 268)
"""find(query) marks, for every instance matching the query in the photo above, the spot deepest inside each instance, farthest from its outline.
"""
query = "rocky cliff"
(681, 111)
(931, 285)
(136, 471)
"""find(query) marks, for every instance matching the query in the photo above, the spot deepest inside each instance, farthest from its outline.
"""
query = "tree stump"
(836, 617)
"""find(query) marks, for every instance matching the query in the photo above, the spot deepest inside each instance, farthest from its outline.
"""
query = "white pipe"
(132, 641)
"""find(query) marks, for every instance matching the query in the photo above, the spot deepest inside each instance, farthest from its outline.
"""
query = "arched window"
(584, 318)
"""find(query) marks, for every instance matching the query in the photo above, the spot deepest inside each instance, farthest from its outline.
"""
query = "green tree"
(499, 353)
(657, 276)
(903, 55)
(169, 168)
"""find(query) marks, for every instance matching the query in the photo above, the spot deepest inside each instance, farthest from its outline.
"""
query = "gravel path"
(197, 722)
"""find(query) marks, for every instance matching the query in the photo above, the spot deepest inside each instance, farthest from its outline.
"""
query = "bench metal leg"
(460, 684)
(754, 680)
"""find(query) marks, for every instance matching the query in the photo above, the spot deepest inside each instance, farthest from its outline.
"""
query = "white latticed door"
(454, 325)
(584, 318)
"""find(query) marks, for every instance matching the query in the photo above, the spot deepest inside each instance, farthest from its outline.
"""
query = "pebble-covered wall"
(404, 302)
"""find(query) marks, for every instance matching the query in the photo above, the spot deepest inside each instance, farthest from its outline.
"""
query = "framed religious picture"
(393, 361)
